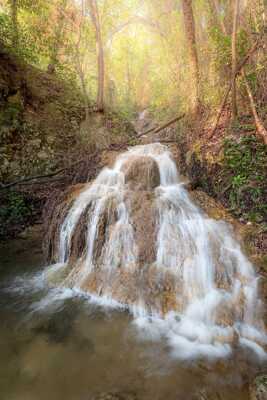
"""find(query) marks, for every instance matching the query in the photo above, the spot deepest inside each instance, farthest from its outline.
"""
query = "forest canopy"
(133, 54)
(76, 76)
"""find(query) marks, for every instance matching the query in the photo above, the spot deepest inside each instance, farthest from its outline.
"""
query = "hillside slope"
(42, 130)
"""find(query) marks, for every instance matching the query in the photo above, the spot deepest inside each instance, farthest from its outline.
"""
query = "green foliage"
(6, 29)
(27, 48)
(222, 47)
(246, 168)
(243, 43)
(14, 210)
(10, 120)
(10, 114)
(145, 48)
(67, 73)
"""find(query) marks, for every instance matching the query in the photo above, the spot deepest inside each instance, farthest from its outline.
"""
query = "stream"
(158, 303)
(75, 349)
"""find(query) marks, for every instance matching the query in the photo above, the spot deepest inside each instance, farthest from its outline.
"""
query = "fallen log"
(112, 146)
(160, 128)
(36, 177)
(146, 132)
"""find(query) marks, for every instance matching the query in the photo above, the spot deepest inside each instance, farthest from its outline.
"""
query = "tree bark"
(79, 65)
(234, 57)
(189, 24)
(239, 68)
(100, 54)
(84, 90)
(261, 131)
(215, 10)
(14, 18)
(57, 37)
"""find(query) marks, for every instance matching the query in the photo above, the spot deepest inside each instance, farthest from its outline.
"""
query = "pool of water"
(72, 349)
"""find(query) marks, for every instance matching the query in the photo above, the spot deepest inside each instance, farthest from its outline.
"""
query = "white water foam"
(200, 252)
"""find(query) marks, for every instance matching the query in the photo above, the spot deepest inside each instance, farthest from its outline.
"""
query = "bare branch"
(261, 131)
(252, 50)
(160, 128)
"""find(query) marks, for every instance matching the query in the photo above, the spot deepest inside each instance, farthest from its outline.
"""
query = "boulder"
(141, 173)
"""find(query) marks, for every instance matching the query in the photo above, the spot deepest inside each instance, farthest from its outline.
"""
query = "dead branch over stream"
(160, 128)
(37, 178)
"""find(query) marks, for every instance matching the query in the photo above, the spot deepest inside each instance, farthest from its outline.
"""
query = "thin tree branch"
(261, 131)
(238, 70)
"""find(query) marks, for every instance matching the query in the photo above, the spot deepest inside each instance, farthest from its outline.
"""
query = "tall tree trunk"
(129, 78)
(84, 90)
(234, 57)
(57, 37)
(79, 64)
(189, 23)
(14, 18)
(264, 13)
(215, 10)
(100, 54)
(262, 132)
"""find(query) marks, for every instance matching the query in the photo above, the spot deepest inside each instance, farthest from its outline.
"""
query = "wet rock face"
(55, 214)
(134, 236)
(144, 221)
(142, 177)
(141, 173)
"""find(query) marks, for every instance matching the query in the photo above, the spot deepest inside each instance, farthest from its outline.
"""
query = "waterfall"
(149, 248)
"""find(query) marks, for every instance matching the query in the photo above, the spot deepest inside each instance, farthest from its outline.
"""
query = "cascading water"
(149, 248)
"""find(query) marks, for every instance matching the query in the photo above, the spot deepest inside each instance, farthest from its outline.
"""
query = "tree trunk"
(239, 68)
(234, 58)
(264, 13)
(57, 38)
(84, 90)
(100, 54)
(79, 64)
(215, 10)
(14, 18)
(262, 132)
(189, 23)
